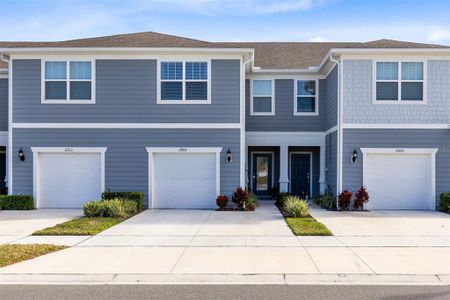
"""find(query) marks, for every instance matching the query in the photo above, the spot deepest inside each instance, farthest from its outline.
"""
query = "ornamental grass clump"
(296, 207)
(111, 208)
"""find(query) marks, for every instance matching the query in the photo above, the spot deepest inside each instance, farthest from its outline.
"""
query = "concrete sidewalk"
(192, 246)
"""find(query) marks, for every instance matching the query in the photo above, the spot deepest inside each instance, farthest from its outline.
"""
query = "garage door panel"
(398, 181)
(67, 180)
(184, 180)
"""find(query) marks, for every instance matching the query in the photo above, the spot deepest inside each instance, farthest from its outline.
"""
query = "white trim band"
(130, 125)
(395, 126)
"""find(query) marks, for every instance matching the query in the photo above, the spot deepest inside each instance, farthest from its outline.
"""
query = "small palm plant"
(296, 207)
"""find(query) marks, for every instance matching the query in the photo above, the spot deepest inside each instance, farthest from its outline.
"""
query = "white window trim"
(67, 80)
(151, 171)
(399, 81)
(272, 112)
(405, 151)
(316, 99)
(183, 80)
(36, 165)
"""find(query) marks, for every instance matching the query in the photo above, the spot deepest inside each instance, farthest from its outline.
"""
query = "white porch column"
(322, 181)
(284, 168)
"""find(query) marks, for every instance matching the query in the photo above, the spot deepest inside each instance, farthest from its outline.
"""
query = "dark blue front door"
(261, 173)
(301, 174)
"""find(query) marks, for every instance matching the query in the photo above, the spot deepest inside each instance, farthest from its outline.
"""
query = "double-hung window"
(305, 102)
(184, 82)
(263, 102)
(68, 82)
(399, 81)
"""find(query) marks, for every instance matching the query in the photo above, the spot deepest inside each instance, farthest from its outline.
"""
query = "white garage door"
(67, 180)
(398, 181)
(184, 180)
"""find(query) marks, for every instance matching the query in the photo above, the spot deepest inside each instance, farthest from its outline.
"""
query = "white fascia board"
(130, 125)
(124, 49)
(390, 50)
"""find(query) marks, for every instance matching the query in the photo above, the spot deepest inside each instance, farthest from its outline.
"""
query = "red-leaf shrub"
(240, 197)
(361, 197)
(344, 199)
(222, 201)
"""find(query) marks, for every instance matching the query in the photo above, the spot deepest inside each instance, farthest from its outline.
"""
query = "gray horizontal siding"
(284, 119)
(3, 104)
(126, 92)
(331, 161)
(396, 138)
(126, 159)
(331, 98)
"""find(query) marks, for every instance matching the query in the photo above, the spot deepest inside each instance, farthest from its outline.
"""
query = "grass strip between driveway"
(307, 226)
(80, 226)
(11, 254)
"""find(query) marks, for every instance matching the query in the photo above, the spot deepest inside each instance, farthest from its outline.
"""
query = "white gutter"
(124, 49)
(340, 130)
(243, 149)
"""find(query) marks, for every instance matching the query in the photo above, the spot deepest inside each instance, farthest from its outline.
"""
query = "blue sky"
(233, 20)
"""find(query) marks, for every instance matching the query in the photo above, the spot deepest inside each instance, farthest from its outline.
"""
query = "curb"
(242, 279)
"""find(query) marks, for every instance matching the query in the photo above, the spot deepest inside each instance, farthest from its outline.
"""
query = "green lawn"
(307, 226)
(81, 226)
(11, 254)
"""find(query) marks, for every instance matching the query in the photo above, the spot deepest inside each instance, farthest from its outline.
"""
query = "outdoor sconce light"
(21, 155)
(354, 156)
(229, 157)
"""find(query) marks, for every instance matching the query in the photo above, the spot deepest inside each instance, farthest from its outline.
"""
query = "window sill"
(63, 101)
(262, 114)
(183, 102)
(399, 102)
(311, 114)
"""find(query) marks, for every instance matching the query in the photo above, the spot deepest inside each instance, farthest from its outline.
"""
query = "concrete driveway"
(180, 243)
(17, 224)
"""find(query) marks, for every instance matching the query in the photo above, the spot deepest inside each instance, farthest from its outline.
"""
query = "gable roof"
(131, 40)
(395, 44)
(290, 55)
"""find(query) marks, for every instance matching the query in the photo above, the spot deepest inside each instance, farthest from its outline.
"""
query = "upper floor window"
(306, 101)
(262, 102)
(68, 82)
(399, 81)
(184, 82)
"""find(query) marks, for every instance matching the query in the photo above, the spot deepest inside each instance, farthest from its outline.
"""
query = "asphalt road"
(67, 292)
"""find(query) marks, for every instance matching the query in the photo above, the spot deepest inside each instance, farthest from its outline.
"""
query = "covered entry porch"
(290, 162)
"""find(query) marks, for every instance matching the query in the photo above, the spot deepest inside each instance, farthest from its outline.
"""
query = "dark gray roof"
(131, 40)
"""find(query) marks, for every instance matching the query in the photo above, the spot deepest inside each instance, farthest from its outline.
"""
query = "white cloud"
(439, 35)
(317, 39)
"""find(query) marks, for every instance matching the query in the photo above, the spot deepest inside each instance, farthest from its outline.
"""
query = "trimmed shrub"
(361, 197)
(444, 202)
(344, 199)
(281, 197)
(222, 201)
(252, 202)
(137, 197)
(240, 197)
(111, 208)
(16, 202)
(327, 201)
(296, 207)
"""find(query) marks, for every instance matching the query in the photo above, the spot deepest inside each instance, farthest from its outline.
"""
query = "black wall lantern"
(229, 156)
(354, 156)
(21, 155)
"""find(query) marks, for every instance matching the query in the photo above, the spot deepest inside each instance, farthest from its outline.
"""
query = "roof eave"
(389, 50)
(122, 49)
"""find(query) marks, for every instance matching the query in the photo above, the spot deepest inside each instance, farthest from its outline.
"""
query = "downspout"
(243, 169)
(339, 128)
